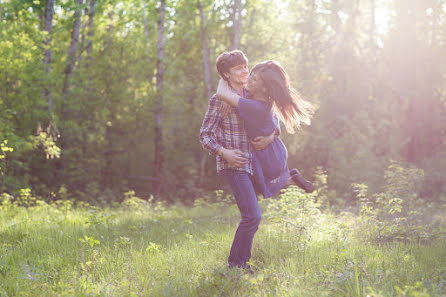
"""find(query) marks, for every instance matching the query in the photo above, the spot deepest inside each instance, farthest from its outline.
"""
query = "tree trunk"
(82, 37)
(416, 107)
(237, 23)
(68, 72)
(205, 50)
(71, 56)
(147, 41)
(159, 100)
(90, 37)
(146, 25)
(49, 11)
(207, 78)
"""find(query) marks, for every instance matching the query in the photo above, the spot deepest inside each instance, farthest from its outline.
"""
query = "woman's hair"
(227, 60)
(291, 109)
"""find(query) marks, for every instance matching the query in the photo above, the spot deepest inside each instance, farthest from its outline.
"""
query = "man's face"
(238, 75)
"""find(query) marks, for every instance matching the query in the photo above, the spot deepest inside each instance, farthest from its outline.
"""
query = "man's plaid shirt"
(228, 132)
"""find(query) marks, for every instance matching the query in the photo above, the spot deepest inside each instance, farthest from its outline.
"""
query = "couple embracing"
(241, 128)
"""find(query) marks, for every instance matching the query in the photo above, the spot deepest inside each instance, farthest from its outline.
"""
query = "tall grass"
(149, 249)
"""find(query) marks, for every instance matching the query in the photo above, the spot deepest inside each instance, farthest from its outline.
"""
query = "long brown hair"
(289, 106)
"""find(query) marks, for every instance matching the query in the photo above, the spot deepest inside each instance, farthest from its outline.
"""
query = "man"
(223, 134)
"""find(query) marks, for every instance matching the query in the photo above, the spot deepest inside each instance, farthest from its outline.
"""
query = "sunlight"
(382, 18)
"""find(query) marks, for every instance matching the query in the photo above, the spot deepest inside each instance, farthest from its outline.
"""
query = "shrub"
(293, 209)
(397, 213)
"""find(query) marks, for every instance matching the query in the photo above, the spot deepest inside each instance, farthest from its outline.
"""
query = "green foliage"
(295, 208)
(397, 213)
(3, 161)
(153, 247)
(133, 202)
(371, 105)
(326, 196)
(5, 148)
(48, 144)
(90, 241)
(6, 202)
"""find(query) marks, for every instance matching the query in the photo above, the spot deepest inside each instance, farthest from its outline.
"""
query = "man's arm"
(209, 127)
(261, 142)
(212, 118)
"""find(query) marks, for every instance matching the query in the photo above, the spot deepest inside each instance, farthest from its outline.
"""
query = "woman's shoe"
(300, 181)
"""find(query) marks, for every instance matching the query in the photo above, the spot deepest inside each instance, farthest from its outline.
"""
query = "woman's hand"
(226, 94)
(223, 89)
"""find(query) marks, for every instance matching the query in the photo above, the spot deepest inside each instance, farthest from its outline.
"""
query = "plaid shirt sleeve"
(208, 137)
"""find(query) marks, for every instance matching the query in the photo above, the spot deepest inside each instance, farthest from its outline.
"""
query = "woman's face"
(255, 86)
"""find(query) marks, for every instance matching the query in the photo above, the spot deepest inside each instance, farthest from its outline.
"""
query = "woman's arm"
(225, 93)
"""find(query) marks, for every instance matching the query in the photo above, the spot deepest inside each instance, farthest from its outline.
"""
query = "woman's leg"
(297, 179)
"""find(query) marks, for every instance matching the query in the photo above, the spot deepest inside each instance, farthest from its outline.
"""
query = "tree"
(49, 10)
(237, 19)
(71, 55)
(159, 99)
(207, 77)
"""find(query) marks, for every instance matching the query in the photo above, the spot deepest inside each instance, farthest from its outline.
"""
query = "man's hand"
(235, 158)
(261, 142)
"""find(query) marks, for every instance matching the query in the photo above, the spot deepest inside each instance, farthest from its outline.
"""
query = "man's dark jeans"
(242, 187)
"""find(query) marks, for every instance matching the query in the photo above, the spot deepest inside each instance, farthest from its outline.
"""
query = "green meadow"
(140, 248)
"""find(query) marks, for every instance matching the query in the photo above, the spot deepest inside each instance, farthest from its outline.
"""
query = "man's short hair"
(227, 60)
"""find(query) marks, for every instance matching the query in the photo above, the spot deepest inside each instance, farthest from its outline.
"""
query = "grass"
(153, 250)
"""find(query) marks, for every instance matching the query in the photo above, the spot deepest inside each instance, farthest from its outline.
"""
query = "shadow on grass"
(223, 281)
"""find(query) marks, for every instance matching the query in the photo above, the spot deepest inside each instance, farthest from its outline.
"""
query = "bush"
(293, 210)
(397, 213)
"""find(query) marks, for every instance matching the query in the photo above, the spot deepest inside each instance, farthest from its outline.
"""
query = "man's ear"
(226, 76)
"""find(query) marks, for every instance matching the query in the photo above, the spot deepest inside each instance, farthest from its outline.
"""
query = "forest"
(98, 98)
(105, 189)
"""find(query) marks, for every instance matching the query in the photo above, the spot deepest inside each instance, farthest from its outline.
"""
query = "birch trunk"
(71, 56)
(207, 78)
(416, 108)
(49, 11)
(159, 100)
(146, 25)
(237, 23)
(90, 37)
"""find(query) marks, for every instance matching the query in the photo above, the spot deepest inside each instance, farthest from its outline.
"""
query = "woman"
(272, 97)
